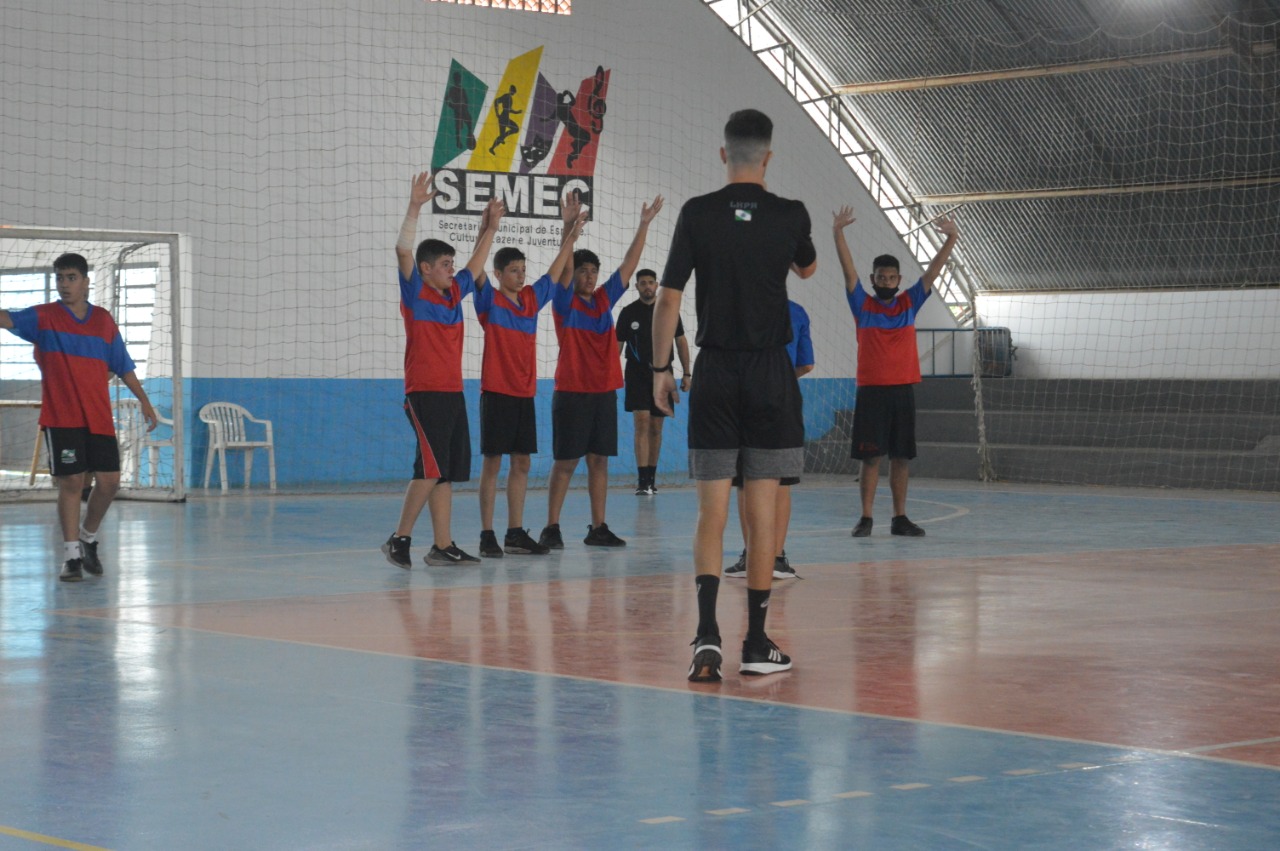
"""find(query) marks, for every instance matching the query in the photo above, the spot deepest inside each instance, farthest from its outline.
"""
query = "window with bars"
(551, 7)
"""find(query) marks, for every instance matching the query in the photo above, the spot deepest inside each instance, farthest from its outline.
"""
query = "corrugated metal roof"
(1126, 168)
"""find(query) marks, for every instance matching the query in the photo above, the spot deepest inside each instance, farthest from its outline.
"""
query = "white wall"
(280, 135)
(1193, 335)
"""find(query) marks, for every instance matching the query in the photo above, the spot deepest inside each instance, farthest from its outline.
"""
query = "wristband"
(666, 368)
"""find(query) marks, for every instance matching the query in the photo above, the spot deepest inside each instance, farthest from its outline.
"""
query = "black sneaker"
(396, 549)
(900, 525)
(738, 570)
(863, 529)
(600, 536)
(763, 658)
(437, 557)
(72, 570)
(706, 659)
(519, 542)
(550, 537)
(653, 489)
(642, 489)
(782, 568)
(92, 564)
(489, 544)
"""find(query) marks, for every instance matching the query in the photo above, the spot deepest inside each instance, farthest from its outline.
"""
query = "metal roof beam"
(945, 80)
(1082, 191)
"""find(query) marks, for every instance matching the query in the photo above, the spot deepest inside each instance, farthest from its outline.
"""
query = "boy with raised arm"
(884, 415)
(76, 344)
(431, 306)
(584, 407)
(508, 312)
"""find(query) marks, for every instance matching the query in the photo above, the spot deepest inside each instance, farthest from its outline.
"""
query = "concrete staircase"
(1151, 433)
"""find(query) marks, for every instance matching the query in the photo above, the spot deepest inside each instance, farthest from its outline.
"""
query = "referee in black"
(744, 405)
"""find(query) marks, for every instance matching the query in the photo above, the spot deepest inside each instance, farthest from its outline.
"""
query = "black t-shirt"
(741, 241)
(635, 332)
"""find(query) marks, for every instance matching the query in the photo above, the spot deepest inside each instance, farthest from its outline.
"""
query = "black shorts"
(638, 392)
(884, 422)
(582, 423)
(77, 450)
(745, 416)
(439, 423)
(508, 425)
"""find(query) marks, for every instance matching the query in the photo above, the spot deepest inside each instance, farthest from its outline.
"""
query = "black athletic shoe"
(863, 529)
(763, 658)
(642, 489)
(92, 564)
(782, 568)
(396, 549)
(489, 544)
(900, 525)
(706, 659)
(437, 557)
(600, 536)
(518, 542)
(738, 570)
(550, 537)
(72, 570)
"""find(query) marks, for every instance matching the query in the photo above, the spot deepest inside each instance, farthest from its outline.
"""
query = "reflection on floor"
(1049, 668)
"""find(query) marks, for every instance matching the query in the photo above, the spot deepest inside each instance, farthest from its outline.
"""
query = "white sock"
(70, 550)
(87, 536)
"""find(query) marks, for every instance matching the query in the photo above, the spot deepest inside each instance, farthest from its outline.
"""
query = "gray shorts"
(707, 465)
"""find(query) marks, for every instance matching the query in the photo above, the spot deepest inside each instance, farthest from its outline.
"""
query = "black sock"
(757, 608)
(708, 589)
(651, 475)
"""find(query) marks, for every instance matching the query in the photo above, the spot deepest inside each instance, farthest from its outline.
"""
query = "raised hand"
(947, 227)
(492, 215)
(423, 189)
(842, 218)
(648, 211)
(570, 207)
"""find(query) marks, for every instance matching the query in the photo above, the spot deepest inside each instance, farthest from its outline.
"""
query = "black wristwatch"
(666, 368)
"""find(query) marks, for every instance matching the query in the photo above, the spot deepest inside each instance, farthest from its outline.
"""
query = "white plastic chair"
(131, 431)
(226, 421)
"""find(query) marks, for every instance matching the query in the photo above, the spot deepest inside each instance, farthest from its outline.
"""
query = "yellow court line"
(48, 840)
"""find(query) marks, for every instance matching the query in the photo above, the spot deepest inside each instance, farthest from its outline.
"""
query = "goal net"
(131, 275)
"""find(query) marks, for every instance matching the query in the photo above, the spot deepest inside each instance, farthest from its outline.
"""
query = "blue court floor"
(1051, 668)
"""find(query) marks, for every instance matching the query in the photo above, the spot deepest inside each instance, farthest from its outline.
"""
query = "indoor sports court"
(1079, 653)
(1051, 667)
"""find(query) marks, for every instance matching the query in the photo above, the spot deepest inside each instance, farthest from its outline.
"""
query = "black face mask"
(885, 293)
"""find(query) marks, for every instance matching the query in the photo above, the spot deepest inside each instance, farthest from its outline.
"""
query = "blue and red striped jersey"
(588, 351)
(74, 356)
(433, 332)
(510, 364)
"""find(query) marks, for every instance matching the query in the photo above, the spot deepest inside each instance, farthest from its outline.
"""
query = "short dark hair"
(646, 273)
(506, 256)
(431, 250)
(72, 261)
(583, 256)
(747, 135)
(885, 261)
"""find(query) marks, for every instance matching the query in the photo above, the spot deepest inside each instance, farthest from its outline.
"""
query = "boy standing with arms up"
(584, 408)
(744, 406)
(884, 415)
(508, 312)
(431, 306)
(76, 344)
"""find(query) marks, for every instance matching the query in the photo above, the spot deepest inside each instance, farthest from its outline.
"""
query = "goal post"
(136, 275)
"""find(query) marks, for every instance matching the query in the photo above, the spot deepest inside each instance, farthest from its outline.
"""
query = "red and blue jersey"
(800, 349)
(74, 356)
(588, 351)
(510, 364)
(887, 352)
(433, 332)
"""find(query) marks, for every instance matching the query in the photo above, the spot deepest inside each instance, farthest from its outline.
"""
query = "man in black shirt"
(635, 344)
(745, 404)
